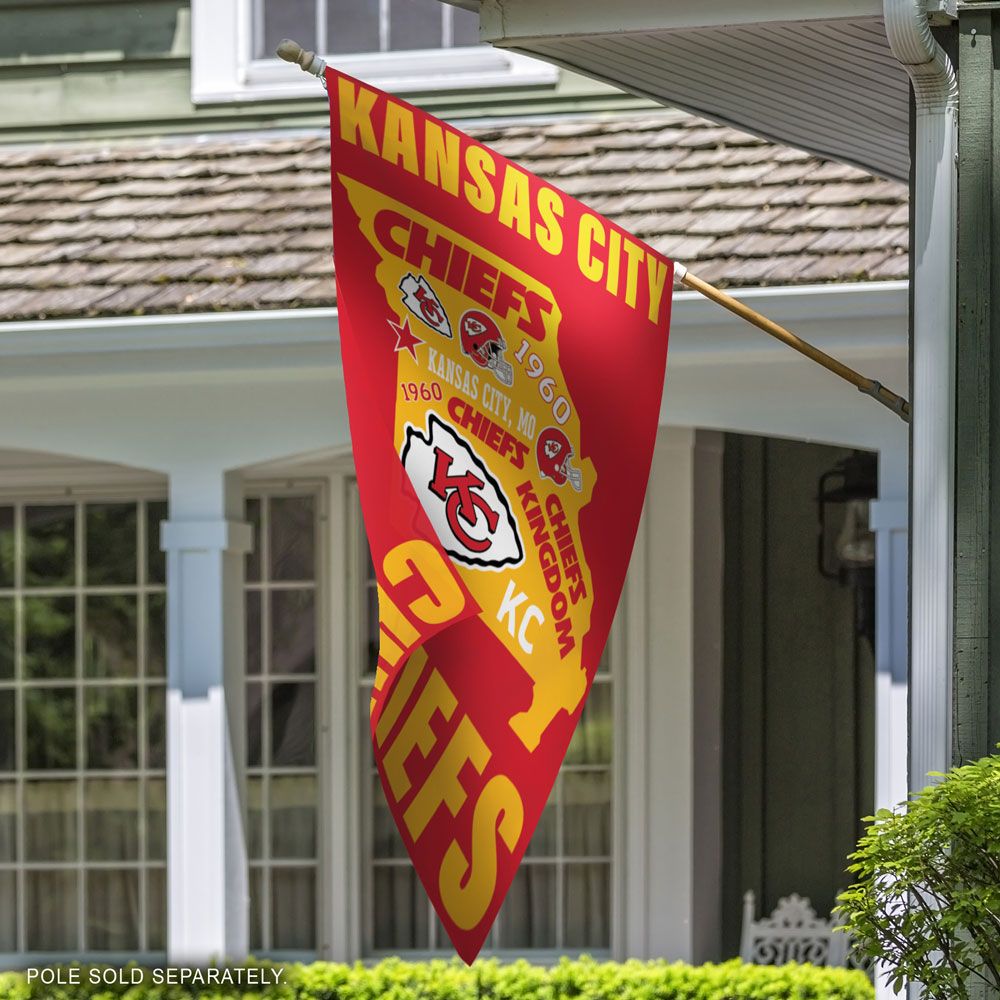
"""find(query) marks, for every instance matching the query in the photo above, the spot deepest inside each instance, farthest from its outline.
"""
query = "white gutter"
(319, 327)
(932, 485)
(169, 331)
(283, 343)
(860, 320)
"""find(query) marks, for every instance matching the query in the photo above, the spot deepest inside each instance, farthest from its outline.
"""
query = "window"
(560, 900)
(281, 697)
(82, 728)
(350, 27)
(400, 45)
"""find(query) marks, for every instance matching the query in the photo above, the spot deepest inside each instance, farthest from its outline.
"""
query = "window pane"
(587, 814)
(257, 876)
(109, 642)
(386, 841)
(544, 841)
(293, 908)
(111, 816)
(604, 664)
(7, 638)
(254, 725)
(293, 632)
(253, 599)
(49, 637)
(528, 917)
(368, 574)
(50, 728)
(8, 912)
(415, 24)
(156, 635)
(401, 909)
(50, 816)
(255, 818)
(352, 26)
(112, 910)
(367, 755)
(588, 906)
(591, 742)
(371, 631)
(252, 514)
(156, 726)
(7, 730)
(6, 546)
(156, 909)
(110, 718)
(293, 816)
(51, 903)
(111, 543)
(49, 546)
(156, 558)
(293, 726)
(156, 819)
(293, 537)
(8, 821)
(286, 19)
(464, 27)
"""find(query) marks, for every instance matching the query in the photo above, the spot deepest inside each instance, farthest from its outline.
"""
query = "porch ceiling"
(816, 74)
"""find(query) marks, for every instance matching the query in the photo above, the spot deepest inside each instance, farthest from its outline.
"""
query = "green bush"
(489, 980)
(926, 900)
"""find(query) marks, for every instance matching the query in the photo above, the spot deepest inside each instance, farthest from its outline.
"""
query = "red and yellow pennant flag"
(504, 351)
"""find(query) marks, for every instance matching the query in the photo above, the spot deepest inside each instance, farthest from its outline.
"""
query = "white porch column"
(889, 519)
(207, 892)
(890, 522)
(671, 805)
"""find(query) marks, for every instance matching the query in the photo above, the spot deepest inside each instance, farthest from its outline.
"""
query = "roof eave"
(815, 74)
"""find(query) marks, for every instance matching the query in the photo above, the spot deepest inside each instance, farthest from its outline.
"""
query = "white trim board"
(303, 343)
(503, 21)
(302, 330)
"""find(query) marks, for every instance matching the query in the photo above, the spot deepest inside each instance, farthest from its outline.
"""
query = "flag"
(503, 352)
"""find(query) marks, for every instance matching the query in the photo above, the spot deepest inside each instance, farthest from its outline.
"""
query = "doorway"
(798, 674)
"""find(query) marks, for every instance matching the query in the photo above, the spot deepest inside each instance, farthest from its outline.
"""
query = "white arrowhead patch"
(423, 302)
(462, 499)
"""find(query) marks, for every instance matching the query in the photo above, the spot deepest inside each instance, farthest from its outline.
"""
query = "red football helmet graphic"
(553, 452)
(483, 342)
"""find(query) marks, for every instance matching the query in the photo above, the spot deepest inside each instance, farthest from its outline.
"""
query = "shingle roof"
(228, 223)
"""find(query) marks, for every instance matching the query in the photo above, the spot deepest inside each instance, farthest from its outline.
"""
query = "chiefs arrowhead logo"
(464, 502)
(422, 301)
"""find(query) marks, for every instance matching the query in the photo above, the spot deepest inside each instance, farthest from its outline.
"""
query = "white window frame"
(76, 486)
(223, 70)
(316, 486)
(339, 898)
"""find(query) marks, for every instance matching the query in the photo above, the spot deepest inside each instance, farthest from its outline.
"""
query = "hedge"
(487, 980)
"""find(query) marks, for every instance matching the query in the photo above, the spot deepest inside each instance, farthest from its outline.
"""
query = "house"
(186, 605)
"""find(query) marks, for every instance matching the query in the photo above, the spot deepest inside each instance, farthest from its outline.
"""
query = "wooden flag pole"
(869, 386)
(311, 63)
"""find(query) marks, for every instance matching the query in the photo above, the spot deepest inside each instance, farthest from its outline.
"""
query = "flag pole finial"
(292, 52)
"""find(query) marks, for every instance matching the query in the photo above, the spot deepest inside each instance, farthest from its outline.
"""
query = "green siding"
(976, 696)
(93, 68)
(105, 32)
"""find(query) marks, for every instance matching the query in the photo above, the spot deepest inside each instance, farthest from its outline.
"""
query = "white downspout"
(932, 477)
(932, 485)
